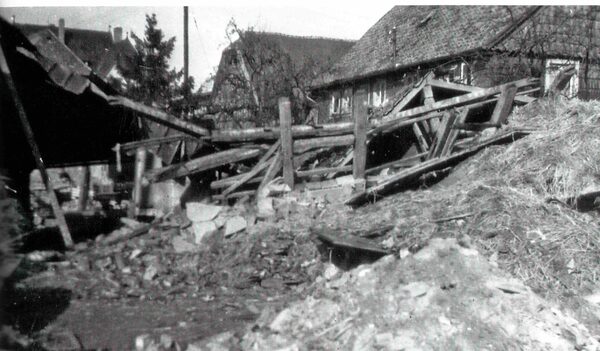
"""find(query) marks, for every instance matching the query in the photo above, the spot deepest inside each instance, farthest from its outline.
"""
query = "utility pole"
(186, 50)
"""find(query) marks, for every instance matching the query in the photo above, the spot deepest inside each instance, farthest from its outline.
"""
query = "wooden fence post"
(287, 152)
(138, 187)
(58, 213)
(360, 115)
(84, 188)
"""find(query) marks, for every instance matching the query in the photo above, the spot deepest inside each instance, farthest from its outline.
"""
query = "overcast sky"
(207, 22)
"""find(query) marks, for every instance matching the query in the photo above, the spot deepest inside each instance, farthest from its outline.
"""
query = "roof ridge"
(304, 36)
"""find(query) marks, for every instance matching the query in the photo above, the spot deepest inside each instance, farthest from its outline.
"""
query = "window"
(377, 95)
(341, 101)
(458, 73)
(553, 67)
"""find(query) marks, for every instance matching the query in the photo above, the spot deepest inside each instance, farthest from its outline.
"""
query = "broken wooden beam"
(37, 155)
(138, 185)
(522, 98)
(235, 195)
(337, 238)
(155, 141)
(394, 119)
(342, 162)
(409, 175)
(200, 164)
(158, 116)
(504, 105)
(303, 131)
(227, 182)
(320, 171)
(403, 162)
(453, 135)
(260, 165)
(272, 171)
(303, 145)
(442, 134)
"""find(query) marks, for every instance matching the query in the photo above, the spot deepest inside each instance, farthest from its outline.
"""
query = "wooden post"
(360, 114)
(504, 105)
(140, 167)
(58, 213)
(287, 152)
(84, 188)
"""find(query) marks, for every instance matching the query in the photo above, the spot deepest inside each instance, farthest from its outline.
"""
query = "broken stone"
(135, 253)
(234, 225)
(151, 273)
(330, 271)
(416, 289)
(181, 245)
(199, 212)
(265, 207)
(202, 230)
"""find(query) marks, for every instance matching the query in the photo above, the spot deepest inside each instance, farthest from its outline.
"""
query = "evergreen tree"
(152, 81)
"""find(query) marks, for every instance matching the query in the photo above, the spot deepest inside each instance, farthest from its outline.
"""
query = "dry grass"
(504, 189)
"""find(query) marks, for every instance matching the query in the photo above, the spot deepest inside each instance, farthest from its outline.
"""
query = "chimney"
(118, 34)
(61, 30)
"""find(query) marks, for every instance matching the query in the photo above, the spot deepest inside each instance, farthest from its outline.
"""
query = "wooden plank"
(422, 142)
(262, 164)
(84, 188)
(406, 176)
(361, 115)
(28, 131)
(504, 105)
(343, 162)
(428, 94)
(138, 186)
(447, 149)
(159, 116)
(320, 171)
(155, 141)
(396, 117)
(348, 241)
(303, 145)
(200, 164)
(398, 163)
(287, 149)
(442, 134)
(303, 131)
(414, 92)
(471, 89)
(272, 171)
(227, 182)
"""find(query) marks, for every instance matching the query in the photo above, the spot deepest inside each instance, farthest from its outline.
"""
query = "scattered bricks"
(203, 229)
(199, 212)
(150, 273)
(135, 253)
(234, 225)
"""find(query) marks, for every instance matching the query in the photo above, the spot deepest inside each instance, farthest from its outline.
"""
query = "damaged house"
(105, 52)
(469, 45)
(259, 67)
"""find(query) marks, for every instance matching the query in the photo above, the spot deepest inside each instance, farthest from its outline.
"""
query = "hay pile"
(503, 192)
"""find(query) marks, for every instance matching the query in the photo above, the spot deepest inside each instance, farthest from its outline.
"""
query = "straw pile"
(503, 196)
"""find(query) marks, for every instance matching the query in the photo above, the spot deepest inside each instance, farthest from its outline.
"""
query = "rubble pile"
(446, 296)
(187, 252)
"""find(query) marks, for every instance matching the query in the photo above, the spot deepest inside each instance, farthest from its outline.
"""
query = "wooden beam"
(227, 182)
(396, 117)
(409, 175)
(361, 116)
(200, 164)
(343, 162)
(447, 149)
(408, 161)
(84, 188)
(155, 141)
(272, 171)
(287, 151)
(442, 134)
(28, 131)
(428, 94)
(471, 89)
(262, 164)
(422, 142)
(303, 131)
(159, 116)
(236, 195)
(319, 171)
(303, 145)
(138, 177)
(504, 105)
(413, 92)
